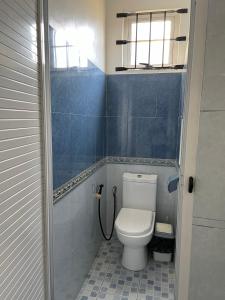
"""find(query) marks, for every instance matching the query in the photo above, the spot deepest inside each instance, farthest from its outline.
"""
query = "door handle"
(190, 185)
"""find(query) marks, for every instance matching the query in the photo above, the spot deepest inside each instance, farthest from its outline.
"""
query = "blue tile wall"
(118, 115)
(78, 120)
(143, 115)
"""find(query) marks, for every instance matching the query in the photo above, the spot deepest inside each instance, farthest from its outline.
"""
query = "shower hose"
(114, 190)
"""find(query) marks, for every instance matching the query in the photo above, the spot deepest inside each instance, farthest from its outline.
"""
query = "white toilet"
(135, 221)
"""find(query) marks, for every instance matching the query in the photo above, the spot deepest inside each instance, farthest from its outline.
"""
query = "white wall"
(77, 235)
(166, 203)
(86, 19)
(114, 25)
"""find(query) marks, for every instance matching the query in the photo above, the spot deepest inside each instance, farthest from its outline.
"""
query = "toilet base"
(135, 259)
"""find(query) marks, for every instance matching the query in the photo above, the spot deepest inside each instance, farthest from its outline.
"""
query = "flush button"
(139, 176)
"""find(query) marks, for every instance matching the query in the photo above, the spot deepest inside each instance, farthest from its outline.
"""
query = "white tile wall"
(76, 235)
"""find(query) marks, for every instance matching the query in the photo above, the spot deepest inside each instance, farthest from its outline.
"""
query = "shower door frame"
(47, 165)
(189, 144)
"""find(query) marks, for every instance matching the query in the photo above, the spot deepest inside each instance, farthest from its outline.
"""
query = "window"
(153, 39)
(151, 55)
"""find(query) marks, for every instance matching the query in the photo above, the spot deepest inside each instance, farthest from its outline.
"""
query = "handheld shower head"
(99, 191)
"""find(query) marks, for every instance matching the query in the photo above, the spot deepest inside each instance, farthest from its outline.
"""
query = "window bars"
(150, 14)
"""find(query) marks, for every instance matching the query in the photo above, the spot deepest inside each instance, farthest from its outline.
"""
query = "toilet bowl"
(135, 229)
(136, 220)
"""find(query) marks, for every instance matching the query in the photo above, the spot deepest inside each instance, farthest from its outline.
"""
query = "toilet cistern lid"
(143, 178)
(134, 221)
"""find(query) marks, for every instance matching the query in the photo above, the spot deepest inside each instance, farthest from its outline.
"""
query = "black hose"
(114, 190)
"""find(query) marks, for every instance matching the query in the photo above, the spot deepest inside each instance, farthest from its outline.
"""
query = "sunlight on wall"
(78, 30)
(73, 47)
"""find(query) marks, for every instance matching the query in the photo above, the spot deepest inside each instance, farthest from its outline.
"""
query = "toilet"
(135, 222)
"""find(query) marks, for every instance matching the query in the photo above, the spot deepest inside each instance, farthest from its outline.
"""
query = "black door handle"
(190, 185)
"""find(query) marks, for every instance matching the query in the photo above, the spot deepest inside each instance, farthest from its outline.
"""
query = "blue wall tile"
(61, 143)
(147, 137)
(116, 137)
(83, 143)
(78, 92)
(60, 92)
(62, 169)
(96, 94)
(100, 137)
(61, 131)
(79, 107)
(151, 137)
(142, 94)
(149, 109)
(168, 95)
(121, 115)
(117, 97)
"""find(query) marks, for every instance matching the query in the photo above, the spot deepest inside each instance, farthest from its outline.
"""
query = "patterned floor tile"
(87, 295)
(108, 280)
(92, 283)
(103, 296)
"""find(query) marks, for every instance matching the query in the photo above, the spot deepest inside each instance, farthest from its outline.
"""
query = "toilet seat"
(134, 222)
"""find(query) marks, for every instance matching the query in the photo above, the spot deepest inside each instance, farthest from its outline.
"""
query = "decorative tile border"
(74, 182)
(141, 161)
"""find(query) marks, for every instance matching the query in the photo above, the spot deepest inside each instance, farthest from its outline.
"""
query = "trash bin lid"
(164, 230)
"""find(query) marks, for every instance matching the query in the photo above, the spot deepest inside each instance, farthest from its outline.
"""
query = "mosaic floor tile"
(108, 280)
(87, 295)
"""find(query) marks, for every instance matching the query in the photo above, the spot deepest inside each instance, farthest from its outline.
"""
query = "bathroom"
(108, 123)
(111, 122)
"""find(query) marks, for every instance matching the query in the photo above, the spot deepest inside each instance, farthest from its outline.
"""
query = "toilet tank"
(139, 191)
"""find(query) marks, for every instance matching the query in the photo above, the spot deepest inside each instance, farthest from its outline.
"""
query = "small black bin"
(163, 244)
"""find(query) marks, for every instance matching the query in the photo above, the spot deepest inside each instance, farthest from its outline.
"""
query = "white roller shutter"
(21, 192)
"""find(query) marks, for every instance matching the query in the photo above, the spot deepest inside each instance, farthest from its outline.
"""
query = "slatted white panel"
(21, 202)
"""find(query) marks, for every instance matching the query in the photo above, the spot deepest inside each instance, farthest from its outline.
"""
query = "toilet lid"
(134, 221)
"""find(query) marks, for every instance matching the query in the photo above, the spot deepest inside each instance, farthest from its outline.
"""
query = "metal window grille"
(150, 14)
